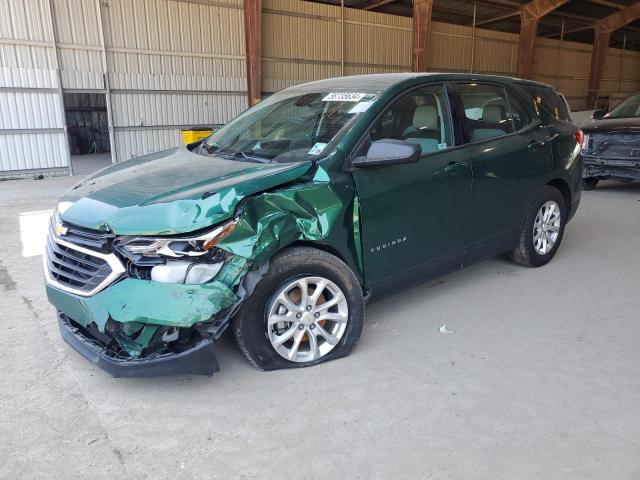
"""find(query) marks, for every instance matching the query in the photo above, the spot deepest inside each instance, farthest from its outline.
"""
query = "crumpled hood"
(173, 191)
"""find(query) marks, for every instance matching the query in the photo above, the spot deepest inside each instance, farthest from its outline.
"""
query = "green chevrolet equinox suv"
(286, 220)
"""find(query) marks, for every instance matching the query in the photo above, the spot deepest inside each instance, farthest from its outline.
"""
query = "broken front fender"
(273, 220)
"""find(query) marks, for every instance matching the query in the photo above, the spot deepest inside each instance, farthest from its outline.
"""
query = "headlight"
(177, 247)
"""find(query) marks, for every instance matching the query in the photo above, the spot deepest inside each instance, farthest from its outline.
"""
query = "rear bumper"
(198, 360)
(613, 168)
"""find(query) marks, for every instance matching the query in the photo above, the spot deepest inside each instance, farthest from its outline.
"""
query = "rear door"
(510, 157)
(414, 216)
(556, 117)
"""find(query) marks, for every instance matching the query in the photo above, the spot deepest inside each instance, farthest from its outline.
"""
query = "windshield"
(627, 109)
(288, 126)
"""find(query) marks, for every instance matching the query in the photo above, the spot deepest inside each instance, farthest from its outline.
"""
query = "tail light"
(579, 135)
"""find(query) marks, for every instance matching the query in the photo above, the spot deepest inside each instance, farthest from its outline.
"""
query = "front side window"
(629, 108)
(420, 116)
(288, 126)
(487, 112)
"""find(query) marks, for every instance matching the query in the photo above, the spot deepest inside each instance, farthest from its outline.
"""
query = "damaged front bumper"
(175, 336)
(197, 360)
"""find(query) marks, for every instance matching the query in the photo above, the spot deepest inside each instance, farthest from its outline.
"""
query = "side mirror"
(598, 114)
(388, 152)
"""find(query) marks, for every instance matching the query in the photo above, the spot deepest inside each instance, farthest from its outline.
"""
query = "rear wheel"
(542, 229)
(589, 183)
(307, 309)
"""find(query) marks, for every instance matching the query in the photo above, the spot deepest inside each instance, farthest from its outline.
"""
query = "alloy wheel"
(307, 318)
(546, 227)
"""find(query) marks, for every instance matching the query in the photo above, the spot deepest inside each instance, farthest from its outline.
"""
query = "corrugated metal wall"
(301, 41)
(32, 135)
(562, 64)
(166, 64)
(171, 64)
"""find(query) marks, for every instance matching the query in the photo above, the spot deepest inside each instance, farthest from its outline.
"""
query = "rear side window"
(547, 99)
(490, 111)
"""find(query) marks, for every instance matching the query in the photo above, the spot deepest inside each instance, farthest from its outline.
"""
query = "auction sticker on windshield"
(344, 97)
(317, 148)
(361, 107)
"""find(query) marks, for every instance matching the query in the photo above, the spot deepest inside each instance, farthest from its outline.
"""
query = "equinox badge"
(390, 243)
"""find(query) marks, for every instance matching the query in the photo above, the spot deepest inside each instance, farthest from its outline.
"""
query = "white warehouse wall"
(164, 65)
(32, 126)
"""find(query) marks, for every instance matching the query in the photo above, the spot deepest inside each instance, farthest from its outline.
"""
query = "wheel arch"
(565, 190)
(348, 260)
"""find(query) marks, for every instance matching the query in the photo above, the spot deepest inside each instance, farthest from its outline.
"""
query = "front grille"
(88, 238)
(76, 269)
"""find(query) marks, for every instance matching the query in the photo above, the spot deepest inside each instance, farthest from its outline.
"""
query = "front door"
(414, 216)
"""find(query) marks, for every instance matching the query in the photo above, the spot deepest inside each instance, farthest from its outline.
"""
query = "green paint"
(140, 197)
(145, 304)
(356, 231)
(273, 220)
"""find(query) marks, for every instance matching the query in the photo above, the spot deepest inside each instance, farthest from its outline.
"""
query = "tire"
(301, 265)
(589, 183)
(528, 250)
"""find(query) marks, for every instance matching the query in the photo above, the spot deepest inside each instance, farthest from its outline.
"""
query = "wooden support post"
(421, 28)
(253, 45)
(559, 59)
(621, 65)
(598, 60)
(532, 12)
(342, 37)
(604, 28)
(473, 37)
(526, 45)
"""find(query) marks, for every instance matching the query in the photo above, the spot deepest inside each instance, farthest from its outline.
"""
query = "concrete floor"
(540, 380)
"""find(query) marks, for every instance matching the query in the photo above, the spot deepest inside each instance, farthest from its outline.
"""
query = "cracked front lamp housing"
(178, 247)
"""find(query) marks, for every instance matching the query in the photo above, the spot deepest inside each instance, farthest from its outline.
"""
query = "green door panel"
(414, 216)
(507, 173)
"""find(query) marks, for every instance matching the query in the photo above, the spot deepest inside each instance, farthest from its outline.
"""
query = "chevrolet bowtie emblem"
(60, 230)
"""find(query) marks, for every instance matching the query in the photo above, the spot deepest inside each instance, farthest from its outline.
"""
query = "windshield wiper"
(252, 157)
(228, 153)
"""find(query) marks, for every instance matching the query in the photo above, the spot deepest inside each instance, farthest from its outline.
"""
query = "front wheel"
(307, 309)
(542, 229)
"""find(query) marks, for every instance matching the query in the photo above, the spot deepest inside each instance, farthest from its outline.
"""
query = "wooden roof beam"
(377, 4)
(498, 18)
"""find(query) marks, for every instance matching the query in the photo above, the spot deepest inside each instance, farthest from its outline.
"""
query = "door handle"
(453, 167)
(536, 145)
